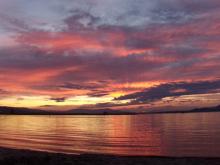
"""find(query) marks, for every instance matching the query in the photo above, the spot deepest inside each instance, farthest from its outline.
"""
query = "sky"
(120, 54)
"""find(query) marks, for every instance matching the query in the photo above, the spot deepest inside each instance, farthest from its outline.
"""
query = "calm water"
(167, 135)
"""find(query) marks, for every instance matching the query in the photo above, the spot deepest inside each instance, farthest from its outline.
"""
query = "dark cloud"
(32, 58)
(141, 42)
(110, 68)
(98, 94)
(183, 51)
(59, 99)
(173, 90)
(89, 86)
(3, 92)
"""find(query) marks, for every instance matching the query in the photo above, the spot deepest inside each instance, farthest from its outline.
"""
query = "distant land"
(4, 110)
(196, 110)
(26, 111)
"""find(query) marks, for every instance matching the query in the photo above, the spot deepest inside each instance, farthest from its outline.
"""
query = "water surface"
(191, 134)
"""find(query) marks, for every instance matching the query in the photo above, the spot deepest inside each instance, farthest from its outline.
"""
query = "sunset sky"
(120, 54)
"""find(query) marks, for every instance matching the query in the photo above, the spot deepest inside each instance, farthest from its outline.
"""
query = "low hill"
(21, 111)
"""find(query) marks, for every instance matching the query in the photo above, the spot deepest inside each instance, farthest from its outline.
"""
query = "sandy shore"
(24, 157)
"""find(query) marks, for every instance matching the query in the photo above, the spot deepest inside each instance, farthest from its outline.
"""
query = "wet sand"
(25, 157)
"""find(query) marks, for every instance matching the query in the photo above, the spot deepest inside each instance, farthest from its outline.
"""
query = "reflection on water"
(164, 135)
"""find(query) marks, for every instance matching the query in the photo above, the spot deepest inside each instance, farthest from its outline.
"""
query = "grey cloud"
(13, 24)
(127, 13)
(80, 19)
(139, 13)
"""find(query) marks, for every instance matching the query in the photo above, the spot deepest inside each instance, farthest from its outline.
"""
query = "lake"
(193, 134)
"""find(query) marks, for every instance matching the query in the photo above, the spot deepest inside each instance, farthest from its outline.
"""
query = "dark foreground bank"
(23, 157)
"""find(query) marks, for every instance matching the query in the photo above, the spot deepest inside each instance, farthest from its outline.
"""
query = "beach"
(25, 157)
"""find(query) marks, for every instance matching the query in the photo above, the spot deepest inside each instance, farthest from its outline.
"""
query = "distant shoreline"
(181, 112)
(132, 114)
(102, 112)
(71, 114)
(125, 114)
(26, 157)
